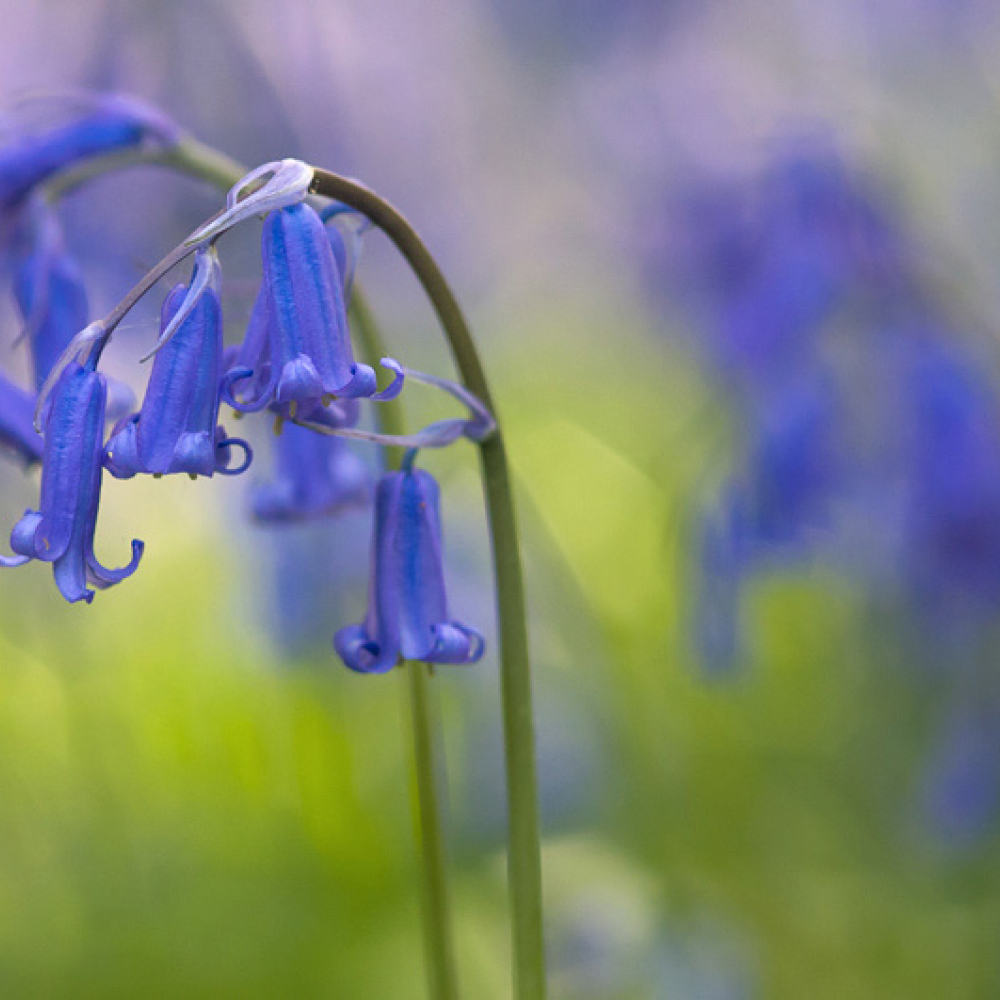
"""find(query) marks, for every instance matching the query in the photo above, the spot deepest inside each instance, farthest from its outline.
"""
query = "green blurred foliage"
(183, 814)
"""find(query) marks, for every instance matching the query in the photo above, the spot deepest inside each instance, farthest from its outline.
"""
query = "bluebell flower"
(62, 530)
(778, 506)
(297, 356)
(407, 608)
(110, 123)
(951, 453)
(314, 476)
(48, 287)
(17, 430)
(177, 429)
(766, 267)
(794, 465)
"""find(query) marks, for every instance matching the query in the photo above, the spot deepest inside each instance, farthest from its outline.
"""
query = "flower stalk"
(524, 861)
(428, 772)
(524, 854)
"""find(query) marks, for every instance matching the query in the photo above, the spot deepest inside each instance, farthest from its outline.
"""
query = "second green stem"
(428, 778)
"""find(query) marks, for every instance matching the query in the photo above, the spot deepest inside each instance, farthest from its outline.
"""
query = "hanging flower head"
(297, 356)
(408, 609)
(62, 530)
(177, 430)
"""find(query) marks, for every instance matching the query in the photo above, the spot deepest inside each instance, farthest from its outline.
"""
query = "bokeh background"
(735, 272)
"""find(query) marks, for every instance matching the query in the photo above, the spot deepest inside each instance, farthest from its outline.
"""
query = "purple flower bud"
(111, 123)
(298, 354)
(315, 476)
(62, 530)
(407, 608)
(176, 430)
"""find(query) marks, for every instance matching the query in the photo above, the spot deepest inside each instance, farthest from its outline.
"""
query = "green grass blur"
(181, 814)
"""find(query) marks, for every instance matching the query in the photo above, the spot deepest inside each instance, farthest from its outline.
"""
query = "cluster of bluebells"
(295, 362)
(870, 429)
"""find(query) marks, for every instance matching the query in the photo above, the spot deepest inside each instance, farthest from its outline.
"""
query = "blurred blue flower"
(777, 507)
(297, 355)
(48, 287)
(108, 123)
(765, 267)
(17, 430)
(951, 445)
(62, 530)
(177, 428)
(407, 610)
(315, 476)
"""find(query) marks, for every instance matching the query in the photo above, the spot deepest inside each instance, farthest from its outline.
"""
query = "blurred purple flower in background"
(17, 430)
(111, 123)
(48, 287)
(869, 428)
(314, 476)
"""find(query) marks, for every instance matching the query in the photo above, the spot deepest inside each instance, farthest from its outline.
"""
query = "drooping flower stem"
(428, 776)
(524, 858)
(188, 156)
(205, 163)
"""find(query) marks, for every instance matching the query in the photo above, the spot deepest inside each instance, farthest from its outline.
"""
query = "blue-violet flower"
(407, 607)
(112, 122)
(62, 530)
(177, 430)
(314, 476)
(297, 355)
(49, 289)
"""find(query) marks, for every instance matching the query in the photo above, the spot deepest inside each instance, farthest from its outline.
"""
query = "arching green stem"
(524, 862)
(524, 859)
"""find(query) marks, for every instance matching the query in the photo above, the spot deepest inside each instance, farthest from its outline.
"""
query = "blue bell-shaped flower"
(407, 607)
(176, 429)
(62, 530)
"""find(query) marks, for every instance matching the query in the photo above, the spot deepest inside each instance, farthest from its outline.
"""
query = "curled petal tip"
(222, 452)
(395, 387)
(456, 643)
(360, 653)
(102, 577)
(361, 385)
